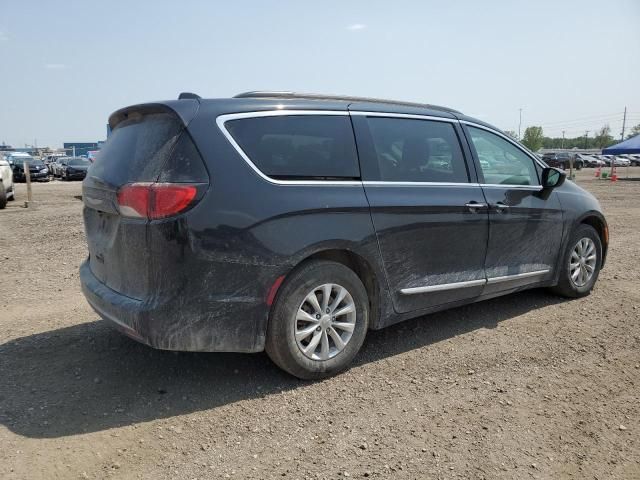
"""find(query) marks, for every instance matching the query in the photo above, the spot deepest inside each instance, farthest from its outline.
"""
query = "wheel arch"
(370, 277)
(599, 224)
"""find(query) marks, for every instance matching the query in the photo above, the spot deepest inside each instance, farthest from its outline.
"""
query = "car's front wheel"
(581, 263)
(319, 320)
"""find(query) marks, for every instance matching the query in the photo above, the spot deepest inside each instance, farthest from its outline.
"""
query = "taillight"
(155, 200)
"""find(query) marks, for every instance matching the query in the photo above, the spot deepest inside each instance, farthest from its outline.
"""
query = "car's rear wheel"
(319, 320)
(3, 196)
(581, 263)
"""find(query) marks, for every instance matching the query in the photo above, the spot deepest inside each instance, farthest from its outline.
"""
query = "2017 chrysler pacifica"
(295, 223)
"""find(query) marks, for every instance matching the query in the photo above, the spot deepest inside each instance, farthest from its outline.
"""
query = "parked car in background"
(50, 161)
(75, 168)
(607, 159)
(590, 160)
(634, 159)
(621, 161)
(38, 171)
(7, 191)
(562, 160)
(362, 213)
(58, 165)
(17, 157)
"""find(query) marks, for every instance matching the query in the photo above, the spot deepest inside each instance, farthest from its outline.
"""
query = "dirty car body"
(204, 276)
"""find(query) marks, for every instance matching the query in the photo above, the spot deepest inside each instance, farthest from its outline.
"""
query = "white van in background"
(6, 183)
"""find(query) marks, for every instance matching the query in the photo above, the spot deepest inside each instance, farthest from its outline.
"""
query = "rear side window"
(298, 146)
(411, 150)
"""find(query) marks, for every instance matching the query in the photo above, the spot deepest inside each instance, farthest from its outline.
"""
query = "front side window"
(412, 150)
(502, 162)
(299, 146)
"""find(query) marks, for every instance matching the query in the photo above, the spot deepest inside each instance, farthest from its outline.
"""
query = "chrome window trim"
(222, 119)
(517, 276)
(381, 183)
(443, 286)
(512, 187)
(472, 283)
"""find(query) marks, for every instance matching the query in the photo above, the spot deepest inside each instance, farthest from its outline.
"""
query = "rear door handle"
(501, 207)
(475, 206)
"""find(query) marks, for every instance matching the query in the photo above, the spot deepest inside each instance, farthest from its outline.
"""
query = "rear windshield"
(137, 149)
(299, 146)
(79, 161)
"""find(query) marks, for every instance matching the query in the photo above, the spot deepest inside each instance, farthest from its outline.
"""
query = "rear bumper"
(76, 175)
(218, 325)
(35, 177)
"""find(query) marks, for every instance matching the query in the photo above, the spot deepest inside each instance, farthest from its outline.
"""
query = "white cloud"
(356, 26)
(54, 66)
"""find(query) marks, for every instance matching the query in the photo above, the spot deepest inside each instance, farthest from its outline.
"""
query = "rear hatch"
(148, 172)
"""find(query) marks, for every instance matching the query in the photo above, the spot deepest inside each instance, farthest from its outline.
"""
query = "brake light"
(154, 200)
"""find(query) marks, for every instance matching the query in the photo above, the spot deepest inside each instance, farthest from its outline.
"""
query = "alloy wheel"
(325, 321)
(582, 264)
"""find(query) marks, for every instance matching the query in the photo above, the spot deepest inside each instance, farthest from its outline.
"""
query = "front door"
(427, 209)
(525, 221)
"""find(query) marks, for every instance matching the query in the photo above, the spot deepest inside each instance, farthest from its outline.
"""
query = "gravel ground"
(525, 386)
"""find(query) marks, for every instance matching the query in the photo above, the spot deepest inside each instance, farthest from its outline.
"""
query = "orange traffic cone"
(614, 175)
(598, 171)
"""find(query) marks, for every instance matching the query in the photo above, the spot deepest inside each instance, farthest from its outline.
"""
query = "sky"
(569, 65)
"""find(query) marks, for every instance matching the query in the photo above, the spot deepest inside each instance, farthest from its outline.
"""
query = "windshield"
(21, 158)
(35, 163)
(79, 161)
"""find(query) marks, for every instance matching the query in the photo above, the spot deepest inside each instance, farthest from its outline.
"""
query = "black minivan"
(294, 223)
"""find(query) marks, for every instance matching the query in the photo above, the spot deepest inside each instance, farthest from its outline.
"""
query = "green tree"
(512, 134)
(533, 138)
(634, 131)
(603, 137)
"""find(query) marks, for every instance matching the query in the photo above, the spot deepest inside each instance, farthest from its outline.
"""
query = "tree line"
(534, 139)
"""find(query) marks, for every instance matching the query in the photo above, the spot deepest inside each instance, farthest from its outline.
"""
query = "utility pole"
(562, 139)
(520, 125)
(624, 123)
(586, 135)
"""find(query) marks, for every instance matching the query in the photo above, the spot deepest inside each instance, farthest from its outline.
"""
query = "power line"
(581, 119)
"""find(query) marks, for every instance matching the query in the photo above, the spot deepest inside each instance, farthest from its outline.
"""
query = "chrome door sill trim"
(471, 283)
(443, 286)
(518, 276)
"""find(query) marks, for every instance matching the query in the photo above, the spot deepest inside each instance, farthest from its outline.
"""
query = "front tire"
(581, 263)
(319, 320)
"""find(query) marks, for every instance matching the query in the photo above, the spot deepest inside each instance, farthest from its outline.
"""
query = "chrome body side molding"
(472, 283)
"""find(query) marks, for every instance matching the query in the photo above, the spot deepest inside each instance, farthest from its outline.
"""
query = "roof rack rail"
(346, 98)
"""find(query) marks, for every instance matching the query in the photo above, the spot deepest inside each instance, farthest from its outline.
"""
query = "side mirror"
(552, 177)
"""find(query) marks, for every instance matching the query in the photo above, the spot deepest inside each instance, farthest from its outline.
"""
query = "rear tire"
(579, 271)
(3, 197)
(311, 342)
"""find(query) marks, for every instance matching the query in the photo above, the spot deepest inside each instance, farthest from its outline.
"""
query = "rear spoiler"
(186, 109)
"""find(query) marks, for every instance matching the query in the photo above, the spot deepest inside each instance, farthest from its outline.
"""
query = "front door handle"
(475, 206)
(501, 207)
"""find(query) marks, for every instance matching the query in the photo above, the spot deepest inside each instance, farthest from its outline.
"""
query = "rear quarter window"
(298, 146)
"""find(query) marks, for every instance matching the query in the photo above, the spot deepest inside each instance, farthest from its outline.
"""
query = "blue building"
(81, 148)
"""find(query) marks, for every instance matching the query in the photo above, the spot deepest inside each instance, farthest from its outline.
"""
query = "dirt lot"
(526, 386)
